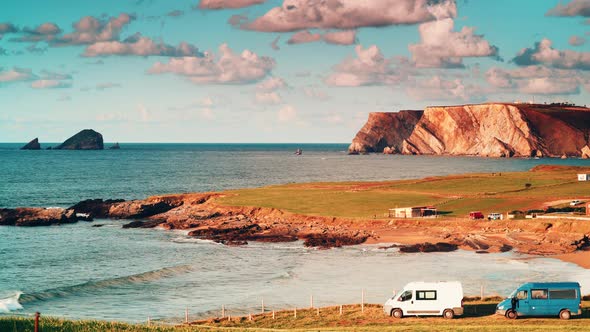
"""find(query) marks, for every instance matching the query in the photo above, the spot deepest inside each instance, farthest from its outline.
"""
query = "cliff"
(385, 130)
(87, 139)
(32, 145)
(488, 130)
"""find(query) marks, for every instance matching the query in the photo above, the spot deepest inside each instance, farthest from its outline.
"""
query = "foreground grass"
(478, 317)
(453, 195)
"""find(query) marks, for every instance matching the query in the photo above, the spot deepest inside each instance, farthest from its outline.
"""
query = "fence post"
(295, 312)
(186, 315)
(363, 300)
(341, 310)
(250, 317)
(318, 311)
(481, 293)
(222, 311)
(273, 314)
(149, 321)
(263, 306)
(311, 301)
(37, 314)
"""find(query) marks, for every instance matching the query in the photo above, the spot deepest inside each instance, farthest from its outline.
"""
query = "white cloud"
(223, 4)
(140, 46)
(544, 53)
(349, 14)
(268, 98)
(537, 80)
(50, 84)
(573, 8)
(16, 75)
(287, 113)
(304, 36)
(228, 68)
(369, 67)
(346, 37)
(441, 47)
(271, 84)
(439, 88)
(577, 41)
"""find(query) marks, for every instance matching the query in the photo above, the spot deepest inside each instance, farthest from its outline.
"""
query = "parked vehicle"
(575, 202)
(427, 299)
(495, 216)
(475, 215)
(543, 299)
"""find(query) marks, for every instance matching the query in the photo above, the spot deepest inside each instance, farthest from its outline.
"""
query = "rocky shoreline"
(202, 217)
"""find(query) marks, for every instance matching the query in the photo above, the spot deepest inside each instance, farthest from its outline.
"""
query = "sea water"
(80, 271)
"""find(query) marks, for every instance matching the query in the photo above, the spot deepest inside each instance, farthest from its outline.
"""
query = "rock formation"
(488, 130)
(32, 145)
(385, 131)
(115, 146)
(87, 139)
(36, 217)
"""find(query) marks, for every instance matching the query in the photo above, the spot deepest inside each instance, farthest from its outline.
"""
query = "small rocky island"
(86, 139)
(32, 145)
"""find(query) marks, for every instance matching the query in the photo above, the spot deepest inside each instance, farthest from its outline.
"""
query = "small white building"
(413, 212)
(583, 177)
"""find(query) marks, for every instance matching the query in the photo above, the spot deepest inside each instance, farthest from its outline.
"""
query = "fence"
(262, 308)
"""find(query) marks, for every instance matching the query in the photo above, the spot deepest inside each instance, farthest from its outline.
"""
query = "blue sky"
(345, 59)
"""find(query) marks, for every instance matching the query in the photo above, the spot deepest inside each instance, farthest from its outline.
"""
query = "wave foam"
(92, 287)
(10, 304)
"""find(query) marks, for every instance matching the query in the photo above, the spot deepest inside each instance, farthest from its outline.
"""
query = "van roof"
(551, 285)
(435, 283)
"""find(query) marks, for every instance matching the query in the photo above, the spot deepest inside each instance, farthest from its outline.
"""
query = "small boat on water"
(298, 152)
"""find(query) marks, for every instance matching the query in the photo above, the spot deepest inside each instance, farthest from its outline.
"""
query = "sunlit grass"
(454, 195)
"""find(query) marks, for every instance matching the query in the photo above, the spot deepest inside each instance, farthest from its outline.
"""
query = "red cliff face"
(385, 130)
(489, 130)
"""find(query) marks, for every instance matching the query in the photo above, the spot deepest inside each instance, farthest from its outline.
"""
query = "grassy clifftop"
(454, 195)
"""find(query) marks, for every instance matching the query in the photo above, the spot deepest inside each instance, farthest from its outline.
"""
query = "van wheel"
(449, 314)
(565, 314)
(397, 313)
(511, 314)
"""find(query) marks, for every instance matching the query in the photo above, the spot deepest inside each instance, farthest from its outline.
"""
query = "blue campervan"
(562, 299)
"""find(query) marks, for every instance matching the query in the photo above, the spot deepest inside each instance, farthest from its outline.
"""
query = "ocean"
(80, 271)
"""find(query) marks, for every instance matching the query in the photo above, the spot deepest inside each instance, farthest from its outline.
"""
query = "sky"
(247, 71)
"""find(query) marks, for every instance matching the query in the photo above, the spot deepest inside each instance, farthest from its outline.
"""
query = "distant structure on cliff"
(487, 130)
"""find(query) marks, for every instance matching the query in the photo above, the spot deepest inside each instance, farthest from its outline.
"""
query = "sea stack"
(87, 139)
(32, 145)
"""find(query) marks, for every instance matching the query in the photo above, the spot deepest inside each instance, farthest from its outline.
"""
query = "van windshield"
(513, 294)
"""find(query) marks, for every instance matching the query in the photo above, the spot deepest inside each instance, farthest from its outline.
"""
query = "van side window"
(539, 294)
(426, 295)
(522, 295)
(558, 294)
(407, 295)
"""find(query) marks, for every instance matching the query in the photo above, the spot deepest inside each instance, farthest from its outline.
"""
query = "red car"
(475, 215)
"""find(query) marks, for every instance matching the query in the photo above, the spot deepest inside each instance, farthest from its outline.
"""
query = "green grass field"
(478, 317)
(453, 195)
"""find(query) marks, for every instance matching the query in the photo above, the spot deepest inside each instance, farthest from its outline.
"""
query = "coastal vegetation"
(479, 316)
(454, 195)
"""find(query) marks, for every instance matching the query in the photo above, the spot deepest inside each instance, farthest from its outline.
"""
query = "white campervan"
(428, 299)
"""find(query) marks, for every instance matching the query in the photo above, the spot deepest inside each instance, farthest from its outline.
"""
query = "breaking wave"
(10, 304)
(94, 286)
